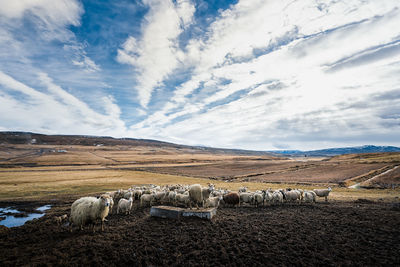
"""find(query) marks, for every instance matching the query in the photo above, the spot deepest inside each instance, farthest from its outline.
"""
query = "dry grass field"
(356, 227)
(48, 171)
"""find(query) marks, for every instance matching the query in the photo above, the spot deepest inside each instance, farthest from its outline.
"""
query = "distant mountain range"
(35, 138)
(338, 151)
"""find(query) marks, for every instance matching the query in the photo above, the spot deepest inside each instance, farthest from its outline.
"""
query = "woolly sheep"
(323, 192)
(137, 193)
(245, 198)
(292, 195)
(172, 197)
(111, 201)
(146, 199)
(88, 210)
(243, 189)
(268, 196)
(310, 196)
(183, 199)
(125, 205)
(231, 199)
(198, 194)
(257, 199)
(213, 202)
(277, 197)
(160, 196)
(128, 195)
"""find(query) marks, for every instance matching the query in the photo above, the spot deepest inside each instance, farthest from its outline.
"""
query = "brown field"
(356, 227)
(36, 171)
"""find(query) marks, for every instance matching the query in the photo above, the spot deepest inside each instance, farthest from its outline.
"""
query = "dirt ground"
(361, 233)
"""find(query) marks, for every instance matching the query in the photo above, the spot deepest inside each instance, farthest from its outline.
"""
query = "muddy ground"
(357, 233)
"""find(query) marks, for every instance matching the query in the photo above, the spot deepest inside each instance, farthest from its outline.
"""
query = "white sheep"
(257, 199)
(292, 195)
(146, 199)
(245, 198)
(242, 189)
(323, 192)
(88, 210)
(172, 197)
(128, 194)
(111, 202)
(125, 205)
(160, 196)
(310, 196)
(213, 202)
(277, 197)
(183, 199)
(198, 194)
(268, 196)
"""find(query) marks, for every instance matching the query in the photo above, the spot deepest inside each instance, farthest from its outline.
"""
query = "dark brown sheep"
(231, 199)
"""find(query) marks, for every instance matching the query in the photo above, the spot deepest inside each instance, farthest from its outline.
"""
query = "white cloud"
(49, 16)
(263, 74)
(256, 45)
(156, 54)
(57, 110)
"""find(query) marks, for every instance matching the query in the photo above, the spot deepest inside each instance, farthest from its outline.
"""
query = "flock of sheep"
(89, 210)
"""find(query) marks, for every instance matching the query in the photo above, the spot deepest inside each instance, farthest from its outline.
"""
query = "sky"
(257, 75)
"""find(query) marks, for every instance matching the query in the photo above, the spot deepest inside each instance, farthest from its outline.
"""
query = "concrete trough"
(177, 213)
(166, 212)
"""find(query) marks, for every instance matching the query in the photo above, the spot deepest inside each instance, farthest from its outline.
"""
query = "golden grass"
(44, 184)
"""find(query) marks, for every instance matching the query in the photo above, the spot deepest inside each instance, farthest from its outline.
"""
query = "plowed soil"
(360, 233)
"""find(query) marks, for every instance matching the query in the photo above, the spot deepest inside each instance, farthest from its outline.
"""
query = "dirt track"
(323, 234)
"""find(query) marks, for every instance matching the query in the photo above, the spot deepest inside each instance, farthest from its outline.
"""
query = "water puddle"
(13, 217)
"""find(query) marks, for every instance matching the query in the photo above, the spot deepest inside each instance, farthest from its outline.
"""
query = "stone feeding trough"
(177, 213)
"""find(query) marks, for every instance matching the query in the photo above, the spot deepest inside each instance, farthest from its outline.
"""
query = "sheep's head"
(211, 187)
(105, 199)
(329, 189)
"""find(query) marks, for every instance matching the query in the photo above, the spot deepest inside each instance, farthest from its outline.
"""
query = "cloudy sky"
(249, 74)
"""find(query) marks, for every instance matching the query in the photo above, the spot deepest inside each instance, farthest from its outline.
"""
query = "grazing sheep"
(277, 197)
(292, 195)
(198, 194)
(245, 198)
(160, 196)
(195, 194)
(128, 195)
(172, 197)
(268, 196)
(88, 210)
(231, 199)
(257, 199)
(125, 205)
(301, 194)
(111, 202)
(310, 196)
(182, 199)
(137, 193)
(323, 192)
(146, 199)
(212, 202)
